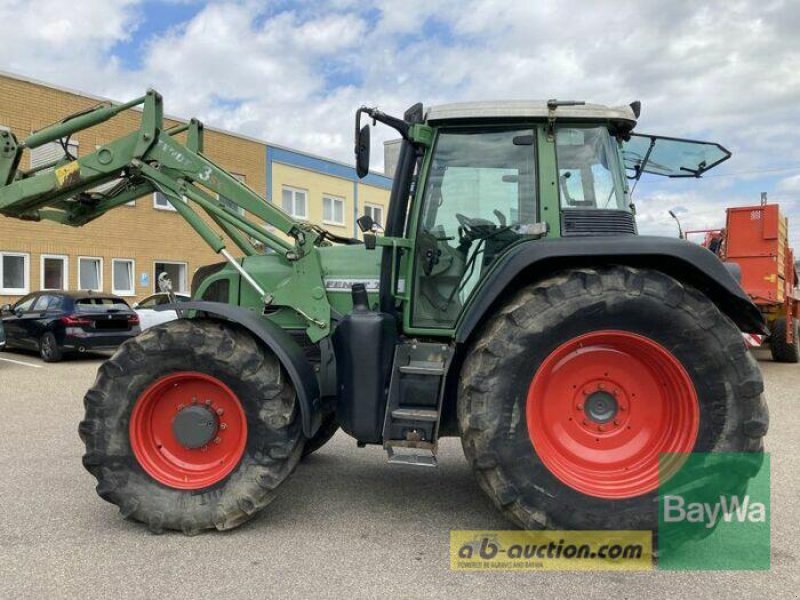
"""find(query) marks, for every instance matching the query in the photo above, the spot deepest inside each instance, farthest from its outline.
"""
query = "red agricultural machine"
(756, 239)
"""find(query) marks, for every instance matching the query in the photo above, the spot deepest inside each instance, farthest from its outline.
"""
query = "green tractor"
(508, 301)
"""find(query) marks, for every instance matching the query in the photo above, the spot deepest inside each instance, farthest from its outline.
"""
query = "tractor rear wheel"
(191, 426)
(578, 384)
(783, 351)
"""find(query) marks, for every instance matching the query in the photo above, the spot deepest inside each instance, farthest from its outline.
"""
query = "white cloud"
(789, 184)
(68, 44)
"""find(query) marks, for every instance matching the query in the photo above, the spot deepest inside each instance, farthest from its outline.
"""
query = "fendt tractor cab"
(508, 300)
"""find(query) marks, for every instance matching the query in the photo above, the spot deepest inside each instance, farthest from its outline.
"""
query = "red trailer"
(757, 239)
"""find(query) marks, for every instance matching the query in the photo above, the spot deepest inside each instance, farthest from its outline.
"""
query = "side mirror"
(6, 308)
(135, 305)
(365, 223)
(362, 151)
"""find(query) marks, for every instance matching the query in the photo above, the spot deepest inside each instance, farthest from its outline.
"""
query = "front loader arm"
(77, 191)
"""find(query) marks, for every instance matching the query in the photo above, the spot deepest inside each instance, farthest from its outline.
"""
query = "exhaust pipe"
(81, 349)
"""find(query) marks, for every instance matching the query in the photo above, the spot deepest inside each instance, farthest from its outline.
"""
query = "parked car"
(55, 322)
(148, 316)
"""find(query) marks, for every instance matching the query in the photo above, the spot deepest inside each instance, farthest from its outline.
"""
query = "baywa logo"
(714, 513)
(550, 550)
(728, 509)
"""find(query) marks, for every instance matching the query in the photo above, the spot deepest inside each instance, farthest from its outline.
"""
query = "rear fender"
(288, 351)
(687, 262)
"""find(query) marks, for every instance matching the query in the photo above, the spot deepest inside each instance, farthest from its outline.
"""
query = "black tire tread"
(783, 351)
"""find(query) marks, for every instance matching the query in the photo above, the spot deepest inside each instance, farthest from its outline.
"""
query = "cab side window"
(588, 169)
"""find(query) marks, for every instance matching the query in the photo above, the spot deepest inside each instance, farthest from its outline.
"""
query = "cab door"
(479, 197)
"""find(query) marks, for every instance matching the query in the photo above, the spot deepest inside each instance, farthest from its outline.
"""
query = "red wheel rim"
(154, 441)
(602, 408)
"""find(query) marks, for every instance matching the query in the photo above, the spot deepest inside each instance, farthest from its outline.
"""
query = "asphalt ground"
(346, 525)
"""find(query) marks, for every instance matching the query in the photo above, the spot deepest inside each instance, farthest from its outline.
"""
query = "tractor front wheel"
(576, 390)
(191, 426)
(782, 350)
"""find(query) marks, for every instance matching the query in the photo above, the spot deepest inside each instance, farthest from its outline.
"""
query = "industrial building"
(124, 251)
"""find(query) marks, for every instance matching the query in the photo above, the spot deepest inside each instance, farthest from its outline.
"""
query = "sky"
(294, 72)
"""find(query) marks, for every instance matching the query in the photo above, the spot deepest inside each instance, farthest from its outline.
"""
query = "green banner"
(714, 512)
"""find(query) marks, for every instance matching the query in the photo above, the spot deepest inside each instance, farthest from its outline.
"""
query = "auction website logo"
(550, 550)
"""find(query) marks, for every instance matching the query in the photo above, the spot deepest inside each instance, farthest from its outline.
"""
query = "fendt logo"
(729, 509)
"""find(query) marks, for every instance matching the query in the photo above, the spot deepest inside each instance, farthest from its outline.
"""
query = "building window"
(374, 212)
(53, 271)
(122, 270)
(51, 152)
(160, 202)
(90, 273)
(333, 210)
(230, 203)
(14, 273)
(175, 272)
(293, 201)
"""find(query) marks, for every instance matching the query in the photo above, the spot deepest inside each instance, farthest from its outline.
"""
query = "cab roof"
(533, 109)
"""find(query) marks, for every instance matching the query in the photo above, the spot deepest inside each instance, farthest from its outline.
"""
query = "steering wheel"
(471, 229)
(471, 225)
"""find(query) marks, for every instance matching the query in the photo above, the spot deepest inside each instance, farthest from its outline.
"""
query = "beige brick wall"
(141, 233)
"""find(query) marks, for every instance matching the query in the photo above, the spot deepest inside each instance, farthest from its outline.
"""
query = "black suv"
(55, 322)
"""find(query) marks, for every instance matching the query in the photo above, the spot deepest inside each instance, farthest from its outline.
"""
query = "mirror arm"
(401, 126)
